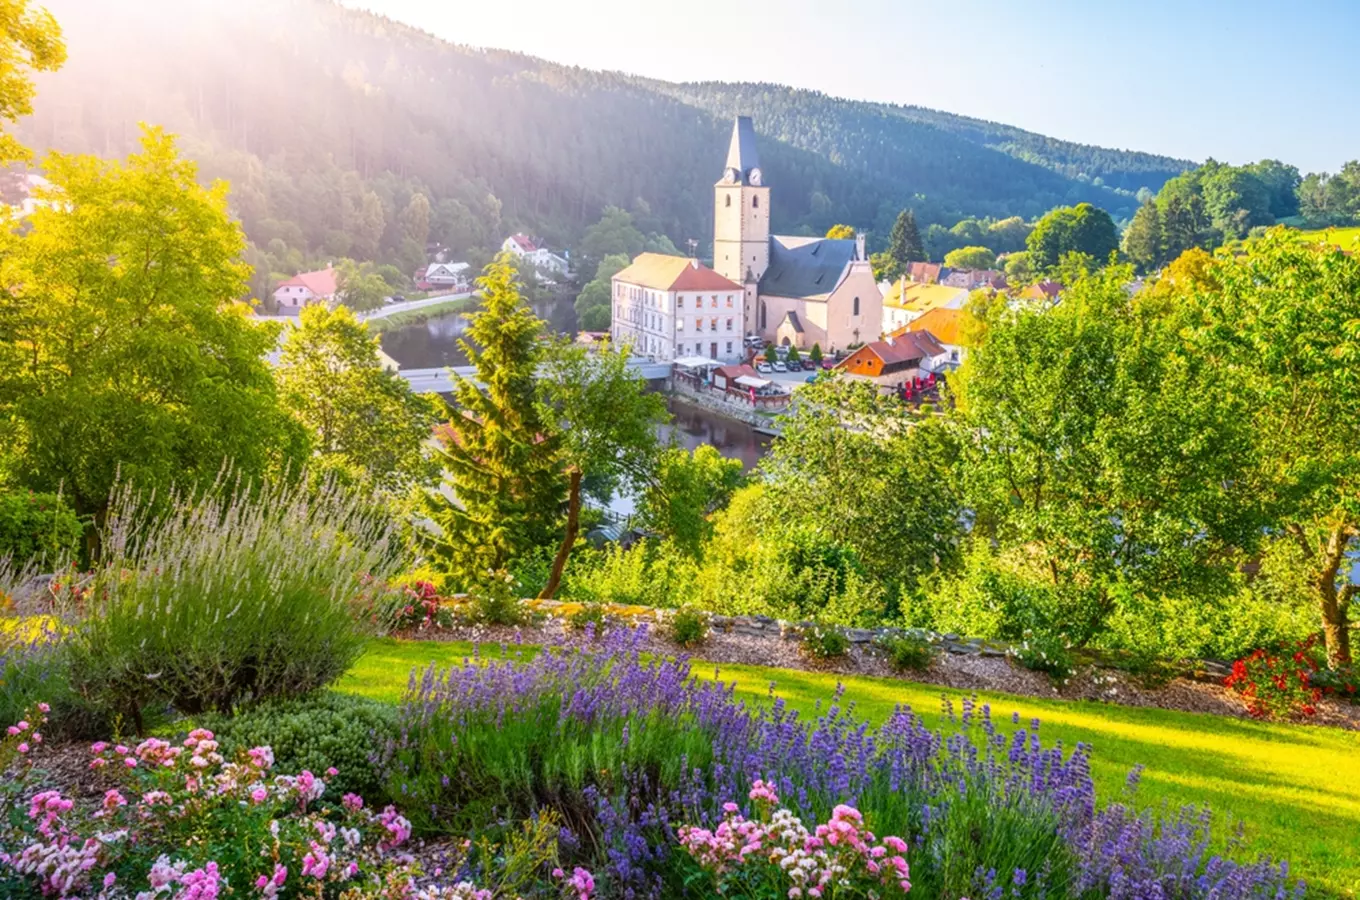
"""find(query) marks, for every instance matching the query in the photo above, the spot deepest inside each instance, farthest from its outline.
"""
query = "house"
(1042, 290)
(454, 275)
(972, 279)
(946, 327)
(827, 284)
(893, 361)
(907, 300)
(669, 307)
(543, 259)
(925, 272)
(306, 288)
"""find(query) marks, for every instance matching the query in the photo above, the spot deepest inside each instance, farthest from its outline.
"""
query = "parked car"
(763, 368)
(810, 379)
(780, 367)
(828, 364)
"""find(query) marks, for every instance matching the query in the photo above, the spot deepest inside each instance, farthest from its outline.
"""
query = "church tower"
(741, 217)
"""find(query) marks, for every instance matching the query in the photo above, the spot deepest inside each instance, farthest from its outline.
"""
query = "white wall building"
(542, 258)
(668, 307)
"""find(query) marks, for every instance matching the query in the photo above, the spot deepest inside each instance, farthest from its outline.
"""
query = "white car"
(763, 368)
(780, 367)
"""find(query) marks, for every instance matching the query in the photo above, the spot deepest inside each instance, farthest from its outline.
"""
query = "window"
(713, 323)
(729, 323)
(714, 303)
(856, 312)
(679, 302)
(729, 348)
(755, 202)
(729, 301)
(679, 324)
(729, 200)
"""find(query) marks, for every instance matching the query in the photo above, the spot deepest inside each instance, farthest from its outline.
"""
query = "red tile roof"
(322, 283)
(526, 243)
(899, 352)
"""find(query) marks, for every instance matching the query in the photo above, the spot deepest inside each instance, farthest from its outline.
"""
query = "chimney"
(859, 246)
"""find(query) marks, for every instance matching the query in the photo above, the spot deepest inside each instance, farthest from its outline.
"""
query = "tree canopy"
(125, 351)
(1083, 229)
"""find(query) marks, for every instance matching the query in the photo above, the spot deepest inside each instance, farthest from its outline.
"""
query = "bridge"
(439, 381)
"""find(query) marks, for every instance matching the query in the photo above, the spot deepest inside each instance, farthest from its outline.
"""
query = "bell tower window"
(729, 200)
(755, 202)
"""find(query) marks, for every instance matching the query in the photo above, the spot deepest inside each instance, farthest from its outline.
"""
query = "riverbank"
(764, 422)
(457, 304)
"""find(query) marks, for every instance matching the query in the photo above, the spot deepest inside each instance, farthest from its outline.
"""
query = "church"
(792, 291)
(800, 291)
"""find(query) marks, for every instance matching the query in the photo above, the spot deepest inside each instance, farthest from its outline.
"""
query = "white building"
(668, 307)
(542, 258)
(306, 288)
(448, 275)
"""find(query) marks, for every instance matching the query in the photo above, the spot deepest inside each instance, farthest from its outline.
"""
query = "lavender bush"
(626, 748)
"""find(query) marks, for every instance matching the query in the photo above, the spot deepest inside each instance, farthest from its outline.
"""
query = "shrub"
(824, 642)
(38, 528)
(590, 617)
(908, 652)
(689, 627)
(325, 730)
(1046, 653)
(422, 608)
(1277, 683)
(496, 601)
(228, 597)
(1342, 683)
(34, 667)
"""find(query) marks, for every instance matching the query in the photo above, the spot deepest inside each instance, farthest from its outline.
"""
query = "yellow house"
(906, 301)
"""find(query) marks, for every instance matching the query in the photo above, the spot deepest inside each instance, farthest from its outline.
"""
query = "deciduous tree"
(122, 344)
(30, 41)
(970, 258)
(688, 489)
(363, 419)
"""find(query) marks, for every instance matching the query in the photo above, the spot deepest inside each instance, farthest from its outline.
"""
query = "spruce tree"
(904, 243)
(500, 459)
(1143, 240)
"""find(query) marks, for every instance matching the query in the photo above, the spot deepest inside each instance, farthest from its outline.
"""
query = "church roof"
(741, 153)
(662, 272)
(806, 268)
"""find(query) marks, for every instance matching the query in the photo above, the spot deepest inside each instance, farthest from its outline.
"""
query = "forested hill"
(328, 120)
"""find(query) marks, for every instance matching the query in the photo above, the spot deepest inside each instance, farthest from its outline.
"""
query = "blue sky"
(1238, 81)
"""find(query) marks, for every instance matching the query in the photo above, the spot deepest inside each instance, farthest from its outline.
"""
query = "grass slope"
(1345, 238)
(1293, 786)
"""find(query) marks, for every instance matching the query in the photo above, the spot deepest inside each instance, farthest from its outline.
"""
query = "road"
(392, 309)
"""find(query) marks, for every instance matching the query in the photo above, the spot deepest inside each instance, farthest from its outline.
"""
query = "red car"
(828, 364)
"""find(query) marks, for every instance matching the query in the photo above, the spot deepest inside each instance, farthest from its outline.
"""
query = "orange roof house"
(893, 360)
(305, 288)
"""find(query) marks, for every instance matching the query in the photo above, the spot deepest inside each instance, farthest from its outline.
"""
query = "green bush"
(650, 573)
(689, 627)
(908, 652)
(590, 616)
(822, 642)
(313, 733)
(496, 601)
(1046, 653)
(208, 602)
(39, 528)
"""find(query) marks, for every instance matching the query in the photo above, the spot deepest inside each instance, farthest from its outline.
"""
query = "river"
(434, 343)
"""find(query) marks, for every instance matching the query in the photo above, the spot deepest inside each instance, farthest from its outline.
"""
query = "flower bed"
(624, 748)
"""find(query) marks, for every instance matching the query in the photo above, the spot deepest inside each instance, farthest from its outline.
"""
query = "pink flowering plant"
(182, 823)
(774, 855)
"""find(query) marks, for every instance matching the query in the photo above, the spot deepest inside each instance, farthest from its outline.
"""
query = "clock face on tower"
(730, 176)
(755, 177)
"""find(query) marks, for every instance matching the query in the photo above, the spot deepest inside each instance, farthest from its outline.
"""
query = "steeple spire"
(742, 157)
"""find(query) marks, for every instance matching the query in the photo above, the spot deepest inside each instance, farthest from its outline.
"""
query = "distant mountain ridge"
(328, 119)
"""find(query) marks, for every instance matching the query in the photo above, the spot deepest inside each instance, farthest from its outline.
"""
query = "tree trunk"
(1335, 601)
(569, 539)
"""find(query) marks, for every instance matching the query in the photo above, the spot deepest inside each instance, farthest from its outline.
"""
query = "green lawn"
(1345, 238)
(1296, 787)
